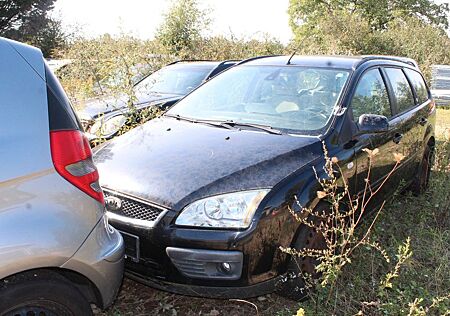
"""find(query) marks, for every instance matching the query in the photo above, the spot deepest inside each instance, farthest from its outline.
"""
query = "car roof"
(32, 55)
(342, 62)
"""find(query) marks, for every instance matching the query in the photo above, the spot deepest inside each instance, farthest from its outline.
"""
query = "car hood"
(173, 163)
(96, 107)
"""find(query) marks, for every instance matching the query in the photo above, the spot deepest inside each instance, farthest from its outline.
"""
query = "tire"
(421, 182)
(41, 293)
(294, 287)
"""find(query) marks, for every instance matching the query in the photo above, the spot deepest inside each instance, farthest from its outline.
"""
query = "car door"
(422, 98)
(371, 97)
(410, 116)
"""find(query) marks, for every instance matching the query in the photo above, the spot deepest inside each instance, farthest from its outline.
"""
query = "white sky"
(248, 18)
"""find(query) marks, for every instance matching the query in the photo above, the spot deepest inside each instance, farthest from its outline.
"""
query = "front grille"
(132, 208)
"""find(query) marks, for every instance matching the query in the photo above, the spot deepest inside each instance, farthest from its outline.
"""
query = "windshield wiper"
(207, 122)
(181, 118)
(227, 124)
(266, 128)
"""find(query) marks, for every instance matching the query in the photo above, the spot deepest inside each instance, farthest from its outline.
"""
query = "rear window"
(402, 89)
(418, 84)
(174, 79)
(61, 114)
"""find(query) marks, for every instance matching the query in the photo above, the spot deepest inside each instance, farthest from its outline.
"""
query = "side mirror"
(372, 124)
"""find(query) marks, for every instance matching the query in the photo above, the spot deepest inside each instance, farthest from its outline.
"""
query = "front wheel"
(41, 293)
(294, 286)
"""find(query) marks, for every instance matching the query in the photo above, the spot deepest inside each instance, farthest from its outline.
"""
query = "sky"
(242, 18)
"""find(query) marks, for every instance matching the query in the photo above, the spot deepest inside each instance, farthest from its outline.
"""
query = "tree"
(182, 27)
(304, 14)
(411, 28)
(341, 33)
(28, 21)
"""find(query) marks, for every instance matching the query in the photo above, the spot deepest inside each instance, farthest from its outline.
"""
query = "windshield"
(176, 79)
(290, 97)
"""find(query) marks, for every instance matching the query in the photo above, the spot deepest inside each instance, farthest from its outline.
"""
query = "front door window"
(371, 96)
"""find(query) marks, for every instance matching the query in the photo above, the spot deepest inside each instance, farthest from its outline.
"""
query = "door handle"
(397, 138)
(423, 121)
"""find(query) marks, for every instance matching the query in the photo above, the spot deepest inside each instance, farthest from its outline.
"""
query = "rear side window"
(418, 84)
(371, 96)
(61, 114)
(402, 89)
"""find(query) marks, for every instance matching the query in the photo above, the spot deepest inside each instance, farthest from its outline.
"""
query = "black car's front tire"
(42, 293)
(294, 285)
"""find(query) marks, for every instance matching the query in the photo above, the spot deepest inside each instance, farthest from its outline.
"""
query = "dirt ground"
(137, 299)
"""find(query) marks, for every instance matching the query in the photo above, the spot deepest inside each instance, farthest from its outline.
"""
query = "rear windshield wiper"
(266, 128)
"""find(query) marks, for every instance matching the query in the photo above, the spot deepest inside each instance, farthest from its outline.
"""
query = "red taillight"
(72, 157)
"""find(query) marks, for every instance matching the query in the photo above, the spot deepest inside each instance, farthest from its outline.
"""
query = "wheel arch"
(86, 287)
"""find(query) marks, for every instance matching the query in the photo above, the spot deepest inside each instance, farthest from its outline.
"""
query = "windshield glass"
(176, 79)
(292, 98)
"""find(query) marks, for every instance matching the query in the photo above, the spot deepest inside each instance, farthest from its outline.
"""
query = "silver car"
(58, 253)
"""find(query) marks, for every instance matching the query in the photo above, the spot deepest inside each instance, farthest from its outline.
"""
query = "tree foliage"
(28, 21)
(379, 13)
(361, 28)
(108, 66)
(222, 48)
(182, 27)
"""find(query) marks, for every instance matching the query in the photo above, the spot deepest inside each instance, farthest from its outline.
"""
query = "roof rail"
(405, 60)
(213, 71)
(187, 60)
(229, 61)
(255, 58)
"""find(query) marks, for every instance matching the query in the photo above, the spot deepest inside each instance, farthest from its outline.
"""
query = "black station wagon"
(202, 194)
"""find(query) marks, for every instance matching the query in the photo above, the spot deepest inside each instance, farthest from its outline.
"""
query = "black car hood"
(95, 107)
(173, 163)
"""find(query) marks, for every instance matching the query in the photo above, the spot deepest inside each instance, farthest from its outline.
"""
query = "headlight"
(107, 127)
(233, 210)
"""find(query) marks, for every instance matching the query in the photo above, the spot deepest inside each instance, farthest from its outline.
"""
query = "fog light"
(225, 267)
(210, 264)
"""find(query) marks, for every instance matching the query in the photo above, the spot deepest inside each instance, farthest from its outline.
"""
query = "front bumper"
(224, 292)
(191, 261)
(187, 259)
(101, 260)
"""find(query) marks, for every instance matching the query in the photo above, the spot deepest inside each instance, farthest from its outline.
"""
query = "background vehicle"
(57, 251)
(440, 85)
(102, 118)
(203, 194)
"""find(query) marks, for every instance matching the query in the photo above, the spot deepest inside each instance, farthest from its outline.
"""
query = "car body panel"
(42, 218)
(104, 267)
(220, 161)
(25, 115)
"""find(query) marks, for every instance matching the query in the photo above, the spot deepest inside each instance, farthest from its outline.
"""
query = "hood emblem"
(113, 203)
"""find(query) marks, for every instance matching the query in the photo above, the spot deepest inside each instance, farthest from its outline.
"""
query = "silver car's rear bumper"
(101, 259)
